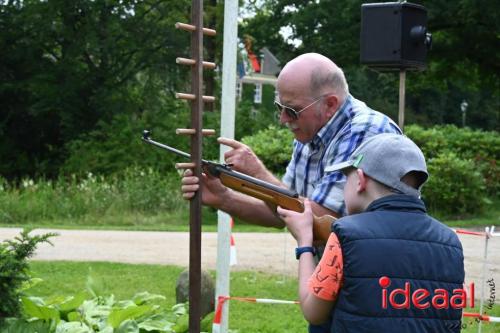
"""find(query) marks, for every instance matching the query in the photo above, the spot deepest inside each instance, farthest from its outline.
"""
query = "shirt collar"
(331, 128)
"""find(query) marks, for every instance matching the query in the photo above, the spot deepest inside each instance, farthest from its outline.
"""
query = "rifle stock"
(322, 228)
(259, 189)
(321, 225)
(262, 193)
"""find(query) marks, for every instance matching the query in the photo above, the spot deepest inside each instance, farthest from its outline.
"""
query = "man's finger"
(189, 180)
(190, 188)
(230, 143)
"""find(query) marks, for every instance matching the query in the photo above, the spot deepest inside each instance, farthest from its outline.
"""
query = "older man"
(328, 125)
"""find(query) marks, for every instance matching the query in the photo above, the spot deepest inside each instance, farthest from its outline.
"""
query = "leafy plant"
(273, 145)
(104, 314)
(455, 186)
(14, 269)
(481, 147)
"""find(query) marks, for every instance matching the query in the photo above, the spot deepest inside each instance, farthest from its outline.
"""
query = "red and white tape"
(489, 232)
(468, 232)
(482, 317)
(223, 299)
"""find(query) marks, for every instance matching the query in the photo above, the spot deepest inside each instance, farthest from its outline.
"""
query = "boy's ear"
(361, 186)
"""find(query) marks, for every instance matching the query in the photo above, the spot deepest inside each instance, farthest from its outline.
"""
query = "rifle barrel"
(218, 168)
(161, 145)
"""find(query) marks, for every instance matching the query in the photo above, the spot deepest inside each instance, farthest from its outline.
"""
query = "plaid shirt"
(353, 123)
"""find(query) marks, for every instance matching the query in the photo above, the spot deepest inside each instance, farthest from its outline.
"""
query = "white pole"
(228, 102)
(483, 276)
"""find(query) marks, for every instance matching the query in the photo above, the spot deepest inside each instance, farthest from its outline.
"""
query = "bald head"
(315, 73)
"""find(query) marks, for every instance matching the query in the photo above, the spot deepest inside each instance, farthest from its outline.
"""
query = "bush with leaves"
(14, 269)
(481, 147)
(462, 164)
(455, 187)
(273, 146)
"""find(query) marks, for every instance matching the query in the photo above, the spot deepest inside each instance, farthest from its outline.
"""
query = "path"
(264, 252)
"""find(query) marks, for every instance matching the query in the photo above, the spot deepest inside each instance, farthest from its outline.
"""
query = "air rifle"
(256, 188)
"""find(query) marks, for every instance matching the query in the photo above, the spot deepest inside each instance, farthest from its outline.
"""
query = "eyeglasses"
(291, 112)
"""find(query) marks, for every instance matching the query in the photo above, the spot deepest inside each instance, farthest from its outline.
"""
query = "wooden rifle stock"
(321, 225)
(257, 188)
(262, 193)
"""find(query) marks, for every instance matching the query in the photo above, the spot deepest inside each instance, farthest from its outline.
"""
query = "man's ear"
(332, 103)
(362, 179)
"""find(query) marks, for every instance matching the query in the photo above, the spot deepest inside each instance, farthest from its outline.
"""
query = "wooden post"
(196, 98)
(402, 82)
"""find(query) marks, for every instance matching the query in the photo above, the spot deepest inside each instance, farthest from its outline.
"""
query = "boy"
(387, 242)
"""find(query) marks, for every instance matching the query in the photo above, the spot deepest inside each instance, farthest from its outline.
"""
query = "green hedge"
(274, 146)
(483, 148)
(464, 171)
(455, 186)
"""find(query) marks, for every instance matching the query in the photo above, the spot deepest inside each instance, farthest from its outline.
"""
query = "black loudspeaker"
(394, 35)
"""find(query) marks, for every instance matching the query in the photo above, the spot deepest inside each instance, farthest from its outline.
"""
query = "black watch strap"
(304, 249)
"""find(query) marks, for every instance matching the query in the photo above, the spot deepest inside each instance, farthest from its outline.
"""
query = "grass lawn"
(124, 280)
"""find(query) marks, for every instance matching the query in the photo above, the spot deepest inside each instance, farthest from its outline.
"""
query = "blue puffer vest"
(395, 238)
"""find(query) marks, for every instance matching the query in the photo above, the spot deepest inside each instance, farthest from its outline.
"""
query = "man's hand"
(213, 194)
(243, 159)
(300, 225)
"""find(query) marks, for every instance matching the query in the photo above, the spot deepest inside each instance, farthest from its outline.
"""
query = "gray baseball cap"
(387, 158)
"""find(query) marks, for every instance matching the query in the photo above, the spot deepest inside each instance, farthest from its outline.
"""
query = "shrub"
(482, 147)
(455, 186)
(273, 146)
(14, 269)
(462, 163)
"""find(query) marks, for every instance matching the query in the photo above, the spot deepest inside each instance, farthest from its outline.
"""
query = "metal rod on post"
(196, 152)
(402, 82)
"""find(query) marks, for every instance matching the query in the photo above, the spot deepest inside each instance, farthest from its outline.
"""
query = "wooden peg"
(191, 131)
(191, 28)
(185, 165)
(209, 99)
(191, 62)
(193, 97)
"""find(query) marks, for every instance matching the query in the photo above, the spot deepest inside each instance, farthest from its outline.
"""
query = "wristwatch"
(304, 249)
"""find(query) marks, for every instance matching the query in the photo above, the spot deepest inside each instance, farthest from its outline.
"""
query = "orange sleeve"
(326, 280)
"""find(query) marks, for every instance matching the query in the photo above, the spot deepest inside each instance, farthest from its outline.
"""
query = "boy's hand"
(299, 224)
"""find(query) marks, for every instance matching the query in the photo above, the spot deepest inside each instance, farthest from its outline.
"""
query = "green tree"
(463, 62)
(67, 66)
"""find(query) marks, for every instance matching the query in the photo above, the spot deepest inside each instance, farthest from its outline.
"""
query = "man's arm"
(216, 195)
